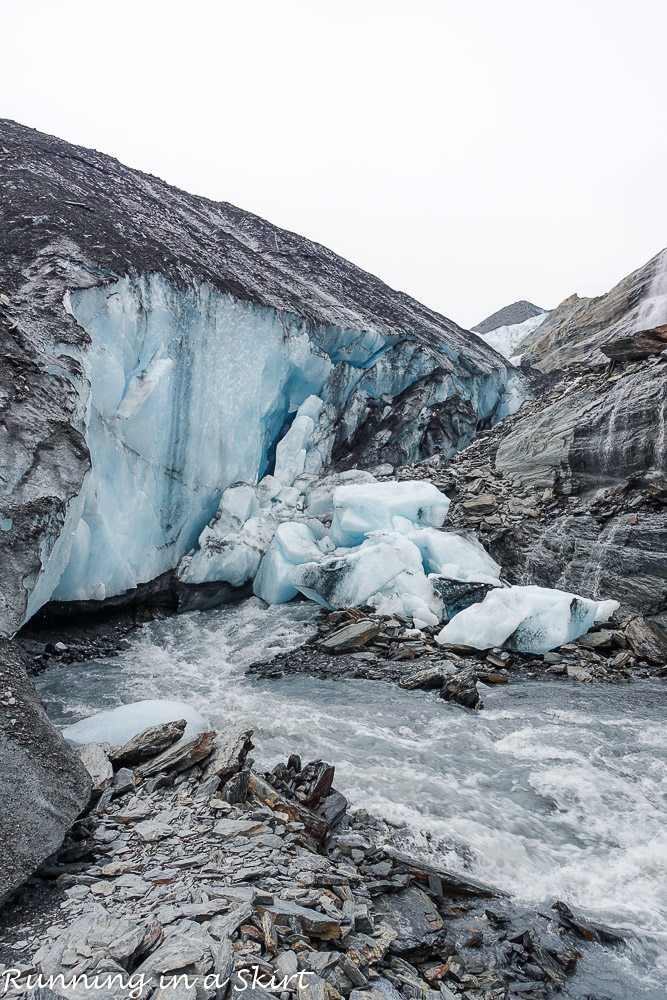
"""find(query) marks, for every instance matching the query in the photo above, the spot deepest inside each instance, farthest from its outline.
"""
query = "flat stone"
(179, 757)
(152, 830)
(486, 503)
(352, 636)
(147, 744)
(595, 640)
(228, 829)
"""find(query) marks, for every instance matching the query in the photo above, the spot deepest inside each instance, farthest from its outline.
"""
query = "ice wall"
(191, 390)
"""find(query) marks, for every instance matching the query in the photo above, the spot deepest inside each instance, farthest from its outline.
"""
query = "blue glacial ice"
(185, 391)
(380, 545)
(360, 509)
(528, 619)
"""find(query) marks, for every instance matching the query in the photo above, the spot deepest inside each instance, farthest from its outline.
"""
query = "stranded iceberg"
(345, 540)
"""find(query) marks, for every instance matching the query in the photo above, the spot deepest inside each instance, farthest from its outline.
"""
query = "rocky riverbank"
(190, 862)
(359, 644)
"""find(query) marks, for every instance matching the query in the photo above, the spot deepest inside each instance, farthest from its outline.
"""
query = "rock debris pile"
(189, 862)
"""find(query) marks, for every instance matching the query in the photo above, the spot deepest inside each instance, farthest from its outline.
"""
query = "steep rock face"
(158, 346)
(631, 319)
(43, 784)
(512, 315)
(592, 435)
(571, 492)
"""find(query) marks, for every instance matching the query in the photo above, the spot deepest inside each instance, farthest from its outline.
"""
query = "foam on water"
(554, 791)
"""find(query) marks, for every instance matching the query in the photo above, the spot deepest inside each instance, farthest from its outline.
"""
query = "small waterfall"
(653, 310)
(659, 457)
(597, 559)
(623, 391)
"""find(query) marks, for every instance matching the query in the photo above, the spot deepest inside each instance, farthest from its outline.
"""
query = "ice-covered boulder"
(118, 725)
(360, 509)
(528, 619)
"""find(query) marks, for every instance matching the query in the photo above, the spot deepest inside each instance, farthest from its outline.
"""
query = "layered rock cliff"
(158, 347)
(628, 322)
(571, 492)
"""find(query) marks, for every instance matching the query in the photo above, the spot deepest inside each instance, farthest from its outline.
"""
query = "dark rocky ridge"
(517, 312)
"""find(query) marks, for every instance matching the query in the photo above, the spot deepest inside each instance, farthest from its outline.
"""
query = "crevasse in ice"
(189, 390)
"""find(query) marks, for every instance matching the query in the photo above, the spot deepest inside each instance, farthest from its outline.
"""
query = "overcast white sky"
(469, 153)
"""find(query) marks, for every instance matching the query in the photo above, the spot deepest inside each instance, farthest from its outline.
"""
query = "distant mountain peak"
(517, 312)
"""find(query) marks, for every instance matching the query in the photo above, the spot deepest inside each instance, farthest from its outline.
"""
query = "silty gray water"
(555, 791)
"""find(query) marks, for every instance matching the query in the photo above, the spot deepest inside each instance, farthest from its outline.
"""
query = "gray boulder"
(43, 785)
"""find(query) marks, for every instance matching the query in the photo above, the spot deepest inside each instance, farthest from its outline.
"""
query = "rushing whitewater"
(554, 792)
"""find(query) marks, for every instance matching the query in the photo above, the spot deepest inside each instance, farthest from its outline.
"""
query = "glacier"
(192, 391)
(508, 339)
(161, 347)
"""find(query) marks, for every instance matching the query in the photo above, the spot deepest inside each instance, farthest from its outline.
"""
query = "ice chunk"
(231, 547)
(292, 449)
(119, 725)
(233, 558)
(360, 509)
(294, 542)
(529, 619)
(455, 554)
(386, 573)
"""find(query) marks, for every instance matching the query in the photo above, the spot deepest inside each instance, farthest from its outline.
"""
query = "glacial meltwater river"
(553, 791)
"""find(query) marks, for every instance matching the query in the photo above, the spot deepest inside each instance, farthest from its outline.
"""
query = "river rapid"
(556, 790)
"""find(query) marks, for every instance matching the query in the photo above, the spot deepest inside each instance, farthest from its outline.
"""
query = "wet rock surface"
(396, 652)
(169, 878)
